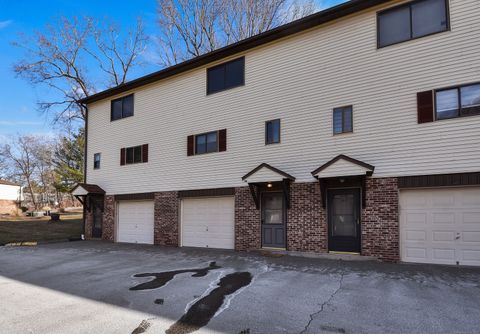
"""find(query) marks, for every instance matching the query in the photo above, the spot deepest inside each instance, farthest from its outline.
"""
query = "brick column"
(166, 230)
(380, 220)
(306, 219)
(88, 224)
(248, 232)
(108, 228)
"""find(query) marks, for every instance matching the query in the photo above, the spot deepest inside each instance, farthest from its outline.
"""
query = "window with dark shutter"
(134, 155)
(457, 101)
(215, 141)
(225, 76)
(121, 107)
(425, 107)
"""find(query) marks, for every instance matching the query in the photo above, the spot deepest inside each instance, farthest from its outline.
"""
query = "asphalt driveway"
(97, 287)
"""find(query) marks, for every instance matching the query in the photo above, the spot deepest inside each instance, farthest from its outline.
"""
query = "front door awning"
(343, 166)
(266, 174)
(82, 190)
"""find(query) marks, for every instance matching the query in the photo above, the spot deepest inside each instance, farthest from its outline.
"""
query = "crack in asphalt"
(315, 314)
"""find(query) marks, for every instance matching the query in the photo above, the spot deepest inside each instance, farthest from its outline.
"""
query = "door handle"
(458, 236)
(358, 221)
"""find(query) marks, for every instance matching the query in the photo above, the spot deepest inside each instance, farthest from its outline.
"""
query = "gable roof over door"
(308, 22)
(83, 189)
(342, 166)
(266, 173)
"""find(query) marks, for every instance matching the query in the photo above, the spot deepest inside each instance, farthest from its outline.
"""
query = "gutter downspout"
(85, 172)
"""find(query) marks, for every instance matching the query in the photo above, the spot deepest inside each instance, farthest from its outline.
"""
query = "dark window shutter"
(222, 140)
(190, 145)
(145, 153)
(122, 156)
(425, 107)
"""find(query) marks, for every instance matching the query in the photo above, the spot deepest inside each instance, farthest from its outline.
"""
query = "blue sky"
(18, 111)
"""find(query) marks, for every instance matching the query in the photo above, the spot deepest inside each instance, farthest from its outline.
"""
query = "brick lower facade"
(307, 227)
(380, 220)
(248, 234)
(306, 219)
(108, 227)
(166, 226)
(8, 207)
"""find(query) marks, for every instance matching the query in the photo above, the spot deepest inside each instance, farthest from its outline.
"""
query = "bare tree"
(192, 28)
(58, 59)
(20, 157)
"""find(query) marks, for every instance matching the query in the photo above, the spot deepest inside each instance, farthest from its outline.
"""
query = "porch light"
(269, 185)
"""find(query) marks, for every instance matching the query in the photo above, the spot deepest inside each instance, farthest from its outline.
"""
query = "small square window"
(272, 132)
(96, 161)
(342, 120)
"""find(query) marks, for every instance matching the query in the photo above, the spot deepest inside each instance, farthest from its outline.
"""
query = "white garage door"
(135, 222)
(208, 222)
(440, 226)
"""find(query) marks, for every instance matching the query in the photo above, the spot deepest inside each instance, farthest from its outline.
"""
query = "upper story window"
(457, 101)
(412, 20)
(225, 76)
(96, 161)
(122, 107)
(215, 141)
(272, 132)
(134, 155)
(206, 143)
(342, 120)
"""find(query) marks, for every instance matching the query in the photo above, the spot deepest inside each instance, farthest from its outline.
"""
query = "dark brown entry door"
(97, 207)
(273, 220)
(344, 220)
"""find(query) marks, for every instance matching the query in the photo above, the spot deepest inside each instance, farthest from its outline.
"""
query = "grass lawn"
(18, 229)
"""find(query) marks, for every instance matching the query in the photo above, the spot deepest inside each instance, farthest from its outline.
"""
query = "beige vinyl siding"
(300, 80)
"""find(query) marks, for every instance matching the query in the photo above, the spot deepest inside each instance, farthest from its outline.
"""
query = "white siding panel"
(10, 192)
(300, 80)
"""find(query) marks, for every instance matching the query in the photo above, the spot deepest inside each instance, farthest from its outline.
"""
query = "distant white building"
(11, 194)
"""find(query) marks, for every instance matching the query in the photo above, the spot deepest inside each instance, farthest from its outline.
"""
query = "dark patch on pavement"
(142, 328)
(245, 331)
(333, 329)
(159, 301)
(163, 278)
(200, 313)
